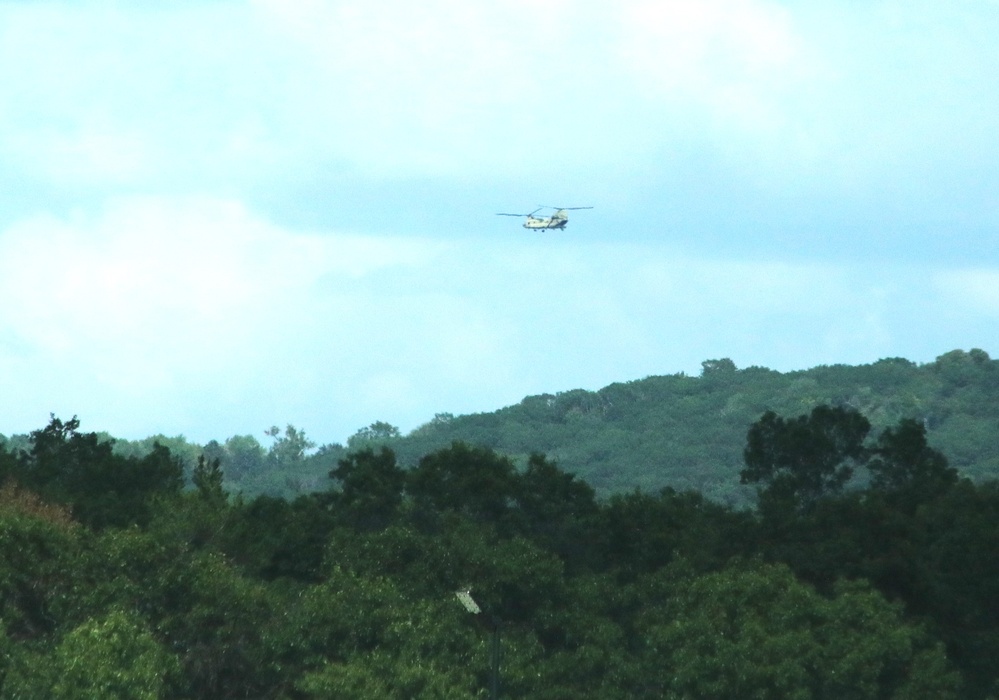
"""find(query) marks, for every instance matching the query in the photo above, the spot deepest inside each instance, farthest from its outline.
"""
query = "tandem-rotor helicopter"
(558, 220)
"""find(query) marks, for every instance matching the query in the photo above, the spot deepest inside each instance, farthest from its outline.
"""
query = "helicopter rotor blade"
(530, 214)
(568, 208)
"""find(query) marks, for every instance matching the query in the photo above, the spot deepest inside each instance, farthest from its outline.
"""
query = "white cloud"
(205, 96)
(155, 298)
(114, 94)
(147, 273)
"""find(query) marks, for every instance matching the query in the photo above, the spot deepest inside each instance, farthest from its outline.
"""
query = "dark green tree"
(207, 480)
(754, 631)
(103, 489)
(377, 434)
(958, 586)
(640, 533)
(557, 511)
(905, 466)
(722, 366)
(800, 460)
(371, 489)
(273, 538)
(197, 517)
(473, 481)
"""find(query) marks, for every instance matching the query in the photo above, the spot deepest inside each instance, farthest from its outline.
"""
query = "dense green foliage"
(688, 432)
(677, 431)
(867, 570)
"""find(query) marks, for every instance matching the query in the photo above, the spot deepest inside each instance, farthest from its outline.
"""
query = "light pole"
(465, 598)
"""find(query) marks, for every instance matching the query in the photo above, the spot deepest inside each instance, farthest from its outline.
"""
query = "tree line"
(865, 568)
(679, 431)
(687, 431)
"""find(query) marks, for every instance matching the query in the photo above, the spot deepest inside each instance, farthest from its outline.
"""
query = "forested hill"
(680, 431)
(689, 432)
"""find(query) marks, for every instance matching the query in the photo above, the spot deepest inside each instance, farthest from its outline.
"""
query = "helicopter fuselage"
(558, 220)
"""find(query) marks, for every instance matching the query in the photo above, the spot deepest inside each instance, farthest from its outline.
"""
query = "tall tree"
(376, 434)
(207, 479)
(800, 460)
(104, 489)
(754, 631)
(371, 489)
(245, 456)
(288, 449)
(904, 465)
(474, 481)
(557, 510)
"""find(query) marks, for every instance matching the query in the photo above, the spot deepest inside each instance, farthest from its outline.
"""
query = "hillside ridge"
(679, 431)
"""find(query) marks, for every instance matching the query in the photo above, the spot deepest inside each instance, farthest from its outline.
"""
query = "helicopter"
(558, 220)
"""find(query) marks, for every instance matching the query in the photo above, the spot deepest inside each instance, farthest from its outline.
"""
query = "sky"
(219, 216)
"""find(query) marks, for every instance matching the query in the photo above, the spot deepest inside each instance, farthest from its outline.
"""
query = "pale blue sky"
(219, 216)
